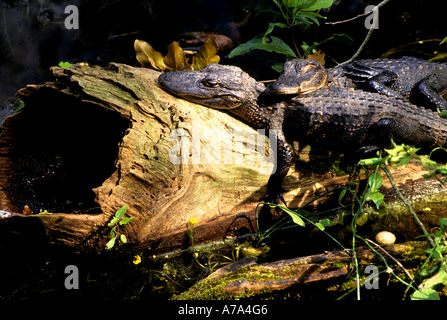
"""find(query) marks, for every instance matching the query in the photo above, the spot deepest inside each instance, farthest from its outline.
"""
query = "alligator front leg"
(283, 161)
(427, 91)
(376, 79)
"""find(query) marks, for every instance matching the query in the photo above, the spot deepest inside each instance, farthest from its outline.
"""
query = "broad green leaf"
(176, 58)
(326, 222)
(316, 5)
(120, 212)
(113, 222)
(294, 3)
(309, 16)
(319, 226)
(207, 54)
(110, 244)
(425, 294)
(272, 44)
(375, 181)
(123, 238)
(126, 220)
(295, 217)
(66, 65)
(377, 198)
(147, 56)
(272, 26)
(443, 223)
(278, 67)
(404, 161)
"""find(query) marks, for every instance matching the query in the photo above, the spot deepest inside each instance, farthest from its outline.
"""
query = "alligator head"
(300, 76)
(216, 86)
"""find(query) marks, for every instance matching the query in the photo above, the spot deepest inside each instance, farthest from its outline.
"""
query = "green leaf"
(120, 212)
(66, 65)
(110, 244)
(272, 44)
(295, 217)
(316, 5)
(377, 198)
(425, 294)
(295, 3)
(123, 238)
(323, 223)
(443, 222)
(404, 161)
(375, 181)
(272, 26)
(443, 113)
(113, 222)
(278, 67)
(126, 220)
(319, 226)
(443, 41)
(326, 222)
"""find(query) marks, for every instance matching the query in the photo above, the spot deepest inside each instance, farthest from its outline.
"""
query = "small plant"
(190, 228)
(289, 15)
(64, 64)
(299, 217)
(115, 233)
(434, 269)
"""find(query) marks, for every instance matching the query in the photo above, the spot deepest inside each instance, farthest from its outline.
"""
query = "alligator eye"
(211, 83)
(308, 67)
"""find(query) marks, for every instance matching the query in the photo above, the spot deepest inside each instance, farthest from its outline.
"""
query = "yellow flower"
(193, 221)
(137, 260)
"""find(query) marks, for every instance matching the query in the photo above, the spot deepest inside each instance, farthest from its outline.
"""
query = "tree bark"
(95, 140)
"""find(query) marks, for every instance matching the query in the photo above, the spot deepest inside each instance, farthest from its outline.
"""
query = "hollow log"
(96, 139)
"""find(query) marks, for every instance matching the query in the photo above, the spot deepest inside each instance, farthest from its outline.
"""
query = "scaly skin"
(416, 80)
(341, 119)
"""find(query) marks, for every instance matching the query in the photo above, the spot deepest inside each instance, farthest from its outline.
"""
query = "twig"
(368, 36)
(401, 197)
(350, 19)
(392, 258)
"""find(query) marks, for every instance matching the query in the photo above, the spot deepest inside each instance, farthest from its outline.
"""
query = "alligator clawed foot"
(275, 196)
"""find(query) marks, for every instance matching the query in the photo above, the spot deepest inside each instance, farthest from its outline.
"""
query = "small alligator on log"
(337, 117)
(416, 80)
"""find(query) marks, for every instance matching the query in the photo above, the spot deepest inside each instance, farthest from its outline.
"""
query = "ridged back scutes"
(418, 125)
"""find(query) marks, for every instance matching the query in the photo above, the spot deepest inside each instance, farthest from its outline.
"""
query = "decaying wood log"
(246, 279)
(95, 140)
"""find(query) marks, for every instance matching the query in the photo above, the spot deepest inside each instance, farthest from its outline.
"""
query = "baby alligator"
(334, 117)
(416, 80)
